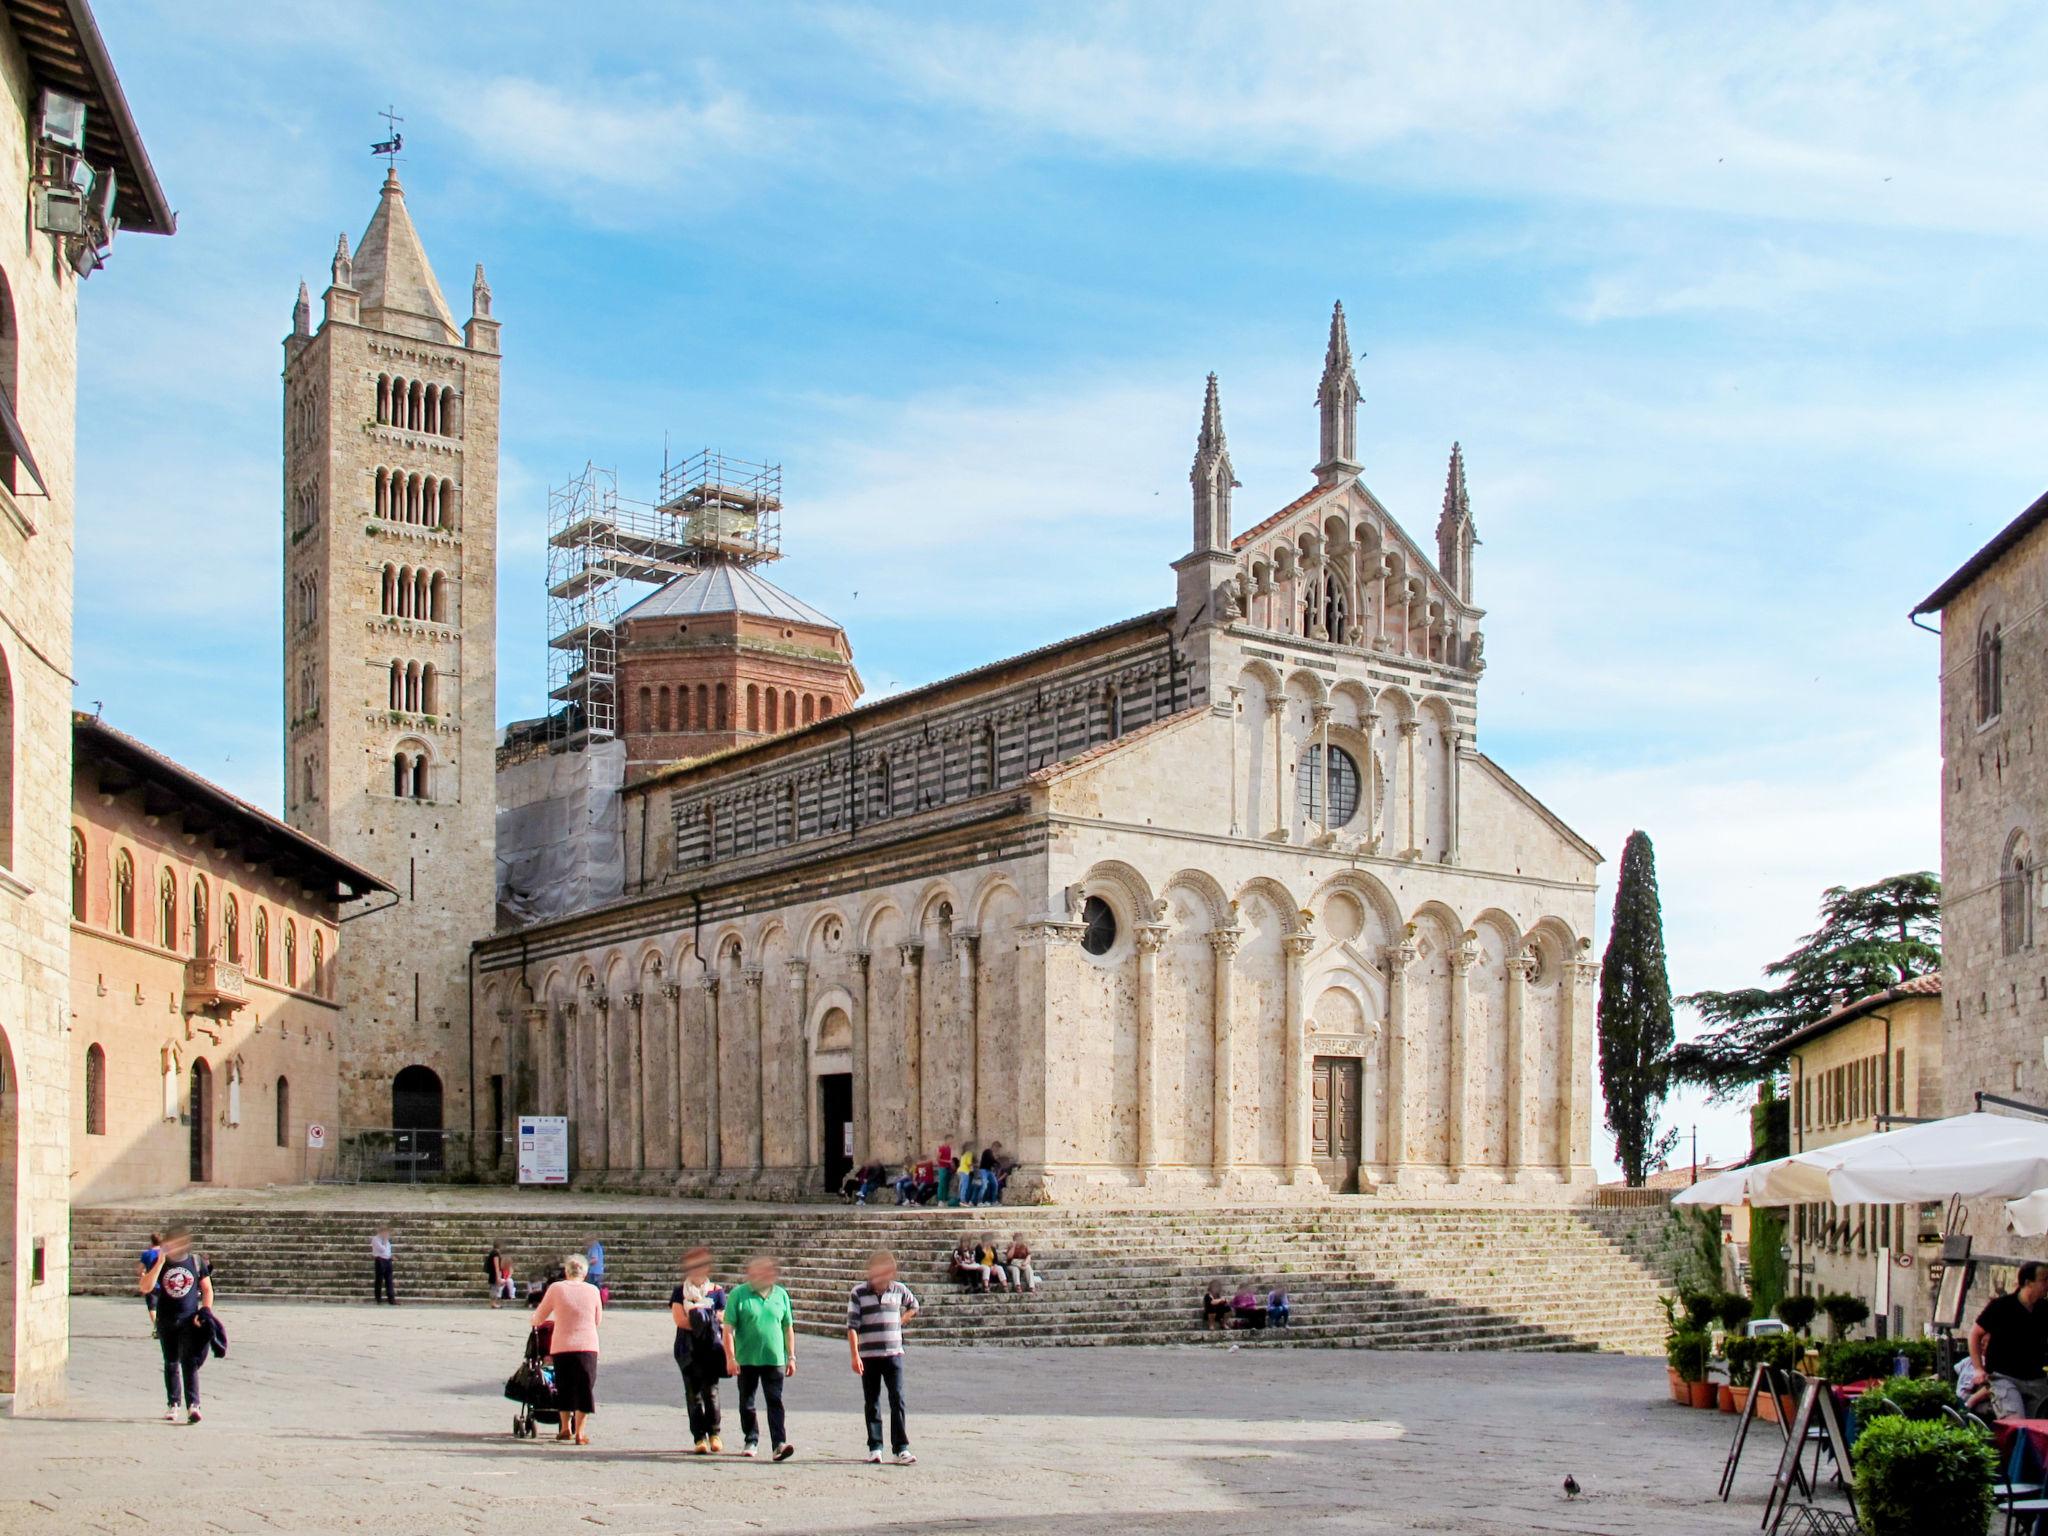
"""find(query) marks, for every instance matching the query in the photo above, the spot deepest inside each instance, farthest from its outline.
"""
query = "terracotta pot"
(1680, 1393)
(1767, 1408)
(1702, 1394)
(1738, 1399)
(1724, 1397)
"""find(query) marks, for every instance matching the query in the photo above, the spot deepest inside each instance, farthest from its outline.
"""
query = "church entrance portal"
(1335, 1123)
(835, 1115)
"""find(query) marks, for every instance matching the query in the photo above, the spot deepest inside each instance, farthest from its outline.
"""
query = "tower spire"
(1337, 399)
(302, 312)
(1455, 533)
(1212, 478)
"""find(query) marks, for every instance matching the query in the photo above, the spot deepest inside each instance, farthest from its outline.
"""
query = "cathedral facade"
(1219, 902)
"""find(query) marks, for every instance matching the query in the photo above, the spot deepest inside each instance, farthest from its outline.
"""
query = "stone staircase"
(1381, 1277)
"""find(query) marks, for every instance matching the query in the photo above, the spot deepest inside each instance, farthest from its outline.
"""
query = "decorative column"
(1149, 937)
(530, 1094)
(1521, 971)
(637, 1001)
(578, 1096)
(1295, 1078)
(910, 954)
(1455, 758)
(714, 1138)
(1410, 784)
(672, 993)
(799, 974)
(1458, 1111)
(1320, 716)
(1397, 958)
(1236, 712)
(750, 978)
(1276, 709)
(601, 1087)
(1223, 1150)
(1575, 1141)
(863, 1079)
(967, 958)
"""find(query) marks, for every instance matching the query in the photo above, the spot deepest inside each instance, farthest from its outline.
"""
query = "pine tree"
(1635, 1016)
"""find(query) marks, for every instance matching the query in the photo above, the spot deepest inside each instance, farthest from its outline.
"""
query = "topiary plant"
(1780, 1351)
(1844, 1312)
(1700, 1306)
(1796, 1312)
(1686, 1352)
(1916, 1477)
(1742, 1355)
(1732, 1311)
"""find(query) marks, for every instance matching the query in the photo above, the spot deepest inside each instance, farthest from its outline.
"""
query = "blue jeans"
(981, 1187)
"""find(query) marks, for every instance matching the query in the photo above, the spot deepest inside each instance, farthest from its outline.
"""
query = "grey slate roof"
(725, 589)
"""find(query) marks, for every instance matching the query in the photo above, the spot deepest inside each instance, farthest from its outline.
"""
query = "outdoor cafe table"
(2005, 1431)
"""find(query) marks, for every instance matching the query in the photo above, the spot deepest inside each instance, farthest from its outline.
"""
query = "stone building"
(723, 656)
(1874, 1057)
(204, 1019)
(390, 571)
(74, 166)
(1219, 901)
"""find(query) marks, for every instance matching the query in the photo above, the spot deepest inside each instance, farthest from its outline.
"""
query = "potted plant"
(1844, 1312)
(1914, 1476)
(1917, 1398)
(1686, 1352)
(1852, 1360)
(1781, 1352)
(1733, 1311)
(1743, 1354)
(1796, 1312)
(1700, 1307)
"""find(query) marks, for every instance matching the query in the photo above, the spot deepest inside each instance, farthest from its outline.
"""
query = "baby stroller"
(532, 1387)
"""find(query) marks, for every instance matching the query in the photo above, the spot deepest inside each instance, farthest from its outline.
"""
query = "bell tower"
(390, 615)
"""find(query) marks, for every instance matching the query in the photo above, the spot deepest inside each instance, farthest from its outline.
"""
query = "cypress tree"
(1636, 1033)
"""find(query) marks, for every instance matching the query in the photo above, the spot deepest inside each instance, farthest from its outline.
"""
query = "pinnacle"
(1339, 353)
(1211, 440)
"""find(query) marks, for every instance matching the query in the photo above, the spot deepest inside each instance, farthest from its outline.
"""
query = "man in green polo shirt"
(760, 1349)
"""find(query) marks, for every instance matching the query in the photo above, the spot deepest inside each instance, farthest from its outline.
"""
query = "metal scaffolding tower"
(603, 549)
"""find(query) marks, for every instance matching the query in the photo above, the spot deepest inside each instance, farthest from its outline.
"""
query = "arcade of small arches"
(1356, 585)
(412, 771)
(414, 688)
(406, 592)
(1131, 1040)
(416, 406)
(425, 501)
(660, 708)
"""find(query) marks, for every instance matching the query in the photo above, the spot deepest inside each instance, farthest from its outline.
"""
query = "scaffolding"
(603, 548)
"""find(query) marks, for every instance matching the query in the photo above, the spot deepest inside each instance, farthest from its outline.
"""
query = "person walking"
(875, 1314)
(573, 1308)
(696, 1305)
(760, 1349)
(594, 1254)
(182, 1283)
(380, 1267)
(498, 1278)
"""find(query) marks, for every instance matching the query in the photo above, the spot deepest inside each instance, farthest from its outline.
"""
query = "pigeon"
(1571, 1486)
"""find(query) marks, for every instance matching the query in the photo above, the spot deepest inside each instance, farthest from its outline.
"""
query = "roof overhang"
(1985, 558)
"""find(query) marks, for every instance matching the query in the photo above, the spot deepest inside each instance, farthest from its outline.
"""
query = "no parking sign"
(316, 1136)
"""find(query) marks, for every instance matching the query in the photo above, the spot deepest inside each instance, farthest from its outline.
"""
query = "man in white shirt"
(380, 1259)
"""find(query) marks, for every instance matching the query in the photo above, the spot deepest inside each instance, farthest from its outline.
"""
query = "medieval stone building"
(390, 571)
(1220, 901)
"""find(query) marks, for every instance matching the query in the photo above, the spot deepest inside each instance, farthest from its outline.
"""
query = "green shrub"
(1796, 1312)
(1848, 1360)
(1914, 1477)
(1742, 1355)
(1844, 1312)
(1700, 1306)
(1732, 1311)
(1780, 1351)
(1919, 1354)
(1686, 1352)
(1909, 1397)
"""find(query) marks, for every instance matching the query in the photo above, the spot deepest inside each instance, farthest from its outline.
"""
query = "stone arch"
(820, 931)
(1128, 892)
(989, 892)
(1496, 1054)
(1272, 890)
(935, 892)
(1202, 885)
(1310, 684)
(1262, 673)
(1375, 900)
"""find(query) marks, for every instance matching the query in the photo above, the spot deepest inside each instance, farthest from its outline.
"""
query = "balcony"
(214, 986)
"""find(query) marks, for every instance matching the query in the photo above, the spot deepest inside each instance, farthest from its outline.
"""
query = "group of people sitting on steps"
(945, 1178)
(978, 1262)
(1244, 1309)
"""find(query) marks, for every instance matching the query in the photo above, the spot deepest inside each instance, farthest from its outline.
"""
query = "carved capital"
(1523, 967)
(1398, 957)
(1410, 727)
(862, 958)
(910, 952)
(750, 978)
(636, 1000)
(1225, 941)
(1585, 972)
(797, 971)
(1319, 715)
(671, 990)
(967, 936)
(709, 982)
(1149, 937)
(1298, 944)
(1465, 953)
(601, 1001)
(1275, 706)
(535, 1015)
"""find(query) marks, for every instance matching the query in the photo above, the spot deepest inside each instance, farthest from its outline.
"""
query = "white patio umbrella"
(1977, 1156)
(1728, 1187)
(2029, 1216)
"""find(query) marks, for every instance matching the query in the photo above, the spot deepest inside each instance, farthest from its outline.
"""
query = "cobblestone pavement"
(371, 1419)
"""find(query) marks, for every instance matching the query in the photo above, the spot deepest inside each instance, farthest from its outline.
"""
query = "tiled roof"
(1279, 517)
(1928, 984)
(1103, 749)
(1986, 557)
(726, 589)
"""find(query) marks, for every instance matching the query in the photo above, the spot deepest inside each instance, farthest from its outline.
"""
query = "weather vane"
(394, 142)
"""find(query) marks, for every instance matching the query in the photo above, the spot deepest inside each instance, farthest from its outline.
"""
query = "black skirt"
(576, 1381)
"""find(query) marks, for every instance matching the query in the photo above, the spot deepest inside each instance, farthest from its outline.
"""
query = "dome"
(725, 589)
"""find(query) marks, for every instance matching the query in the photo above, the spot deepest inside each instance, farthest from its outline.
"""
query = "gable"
(1311, 524)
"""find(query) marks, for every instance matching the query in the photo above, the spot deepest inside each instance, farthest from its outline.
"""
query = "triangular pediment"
(1365, 518)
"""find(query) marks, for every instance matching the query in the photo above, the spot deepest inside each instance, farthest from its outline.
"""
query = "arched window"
(753, 707)
(1115, 702)
(95, 1091)
(167, 911)
(401, 775)
(724, 711)
(419, 776)
(291, 953)
(447, 412)
(789, 709)
(231, 931)
(1990, 672)
(661, 719)
(389, 602)
(430, 414)
(824, 707)
(428, 701)
(77, 875)
(202, 927)
(437, 599)
(1333, 606)
(2017, 878)
(1343, 786)
(124, 894)
(284, 1112)
(319, 963)
(412, 685)
(262, 944)
(420, 600)
(810, 708)
(412, 405)
(448, 506)
(703, 716)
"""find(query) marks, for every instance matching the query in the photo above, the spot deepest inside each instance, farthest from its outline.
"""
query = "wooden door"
(1335, 1120)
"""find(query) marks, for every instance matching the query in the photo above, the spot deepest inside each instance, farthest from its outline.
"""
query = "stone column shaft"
(863, 1076)
(1149, 937)
(1520, 969)
(1411, 783)
(758, 1027)
(1398, 957)
(1223, 1152)
(967, 956)
(808, 1145)
(714, 1129)
(911, 957)
(1458, 1116)
(1296, 1154)
(1576, 1140)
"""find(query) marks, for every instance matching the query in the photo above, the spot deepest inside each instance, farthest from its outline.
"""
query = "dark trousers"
(700, 1396)
(874, 1375)
(769, 1379)
(380, 1282)
(184, 1348)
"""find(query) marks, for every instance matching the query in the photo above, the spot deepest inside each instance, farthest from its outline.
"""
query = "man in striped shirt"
(875, 1315)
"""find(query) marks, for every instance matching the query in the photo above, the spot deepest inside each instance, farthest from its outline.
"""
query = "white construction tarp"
(559, 848)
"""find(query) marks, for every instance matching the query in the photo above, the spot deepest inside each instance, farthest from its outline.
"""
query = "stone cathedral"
(1219, 902)
(390, 573)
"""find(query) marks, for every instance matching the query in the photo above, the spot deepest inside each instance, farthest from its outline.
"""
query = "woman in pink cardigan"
(573, 1307)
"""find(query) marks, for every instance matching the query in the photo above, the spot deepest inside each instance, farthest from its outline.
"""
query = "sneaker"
(192, 1416)
(701, 1448)
(171, 1414)
(905, 1459)
(717, 1446)
(784, 1451)
(750, 1449)
(874, 1458)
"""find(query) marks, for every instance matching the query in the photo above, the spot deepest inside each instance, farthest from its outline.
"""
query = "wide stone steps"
(1389, 1277)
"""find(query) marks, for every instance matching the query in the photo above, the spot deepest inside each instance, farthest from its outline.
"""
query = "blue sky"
(1736, 310)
